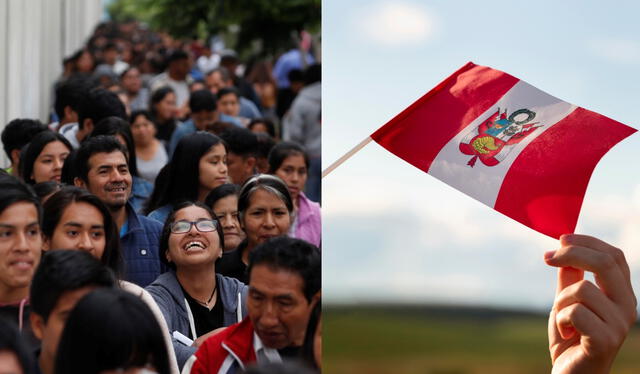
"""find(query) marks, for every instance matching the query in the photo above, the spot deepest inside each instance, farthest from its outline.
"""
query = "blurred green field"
(438, 340)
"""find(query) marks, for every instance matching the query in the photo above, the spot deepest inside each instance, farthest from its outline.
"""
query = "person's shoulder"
(149, 224)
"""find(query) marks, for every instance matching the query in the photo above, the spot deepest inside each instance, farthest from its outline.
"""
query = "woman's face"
(212, 169)
(142, 130)
(293, 171)
(81, 227)
(48, 164)
(265, 217)
(131, 81)
(20, 245)
(226, 209)
(229, 105)
(166, 108)
(194, 247)
(85, 62)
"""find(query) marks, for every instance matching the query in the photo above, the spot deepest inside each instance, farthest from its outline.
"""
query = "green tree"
(265, 25)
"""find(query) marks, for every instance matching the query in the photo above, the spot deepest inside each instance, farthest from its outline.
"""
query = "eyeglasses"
(203, 225)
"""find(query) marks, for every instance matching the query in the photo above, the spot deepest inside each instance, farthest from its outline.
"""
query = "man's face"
(214, 82)
(108, 178)
(277, 306)
(49, 332)
(203, 118)
(239, 168)
(180, 68)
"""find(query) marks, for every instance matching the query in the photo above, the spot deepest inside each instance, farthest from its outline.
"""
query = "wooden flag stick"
(346, 156)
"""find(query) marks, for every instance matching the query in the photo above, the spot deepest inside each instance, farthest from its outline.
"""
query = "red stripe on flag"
(545, 185)
(419, 132)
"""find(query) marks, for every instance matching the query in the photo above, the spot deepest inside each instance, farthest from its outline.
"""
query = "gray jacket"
(302, 122)
(170, 299)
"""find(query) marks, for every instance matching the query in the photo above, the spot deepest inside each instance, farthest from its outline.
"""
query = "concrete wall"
(35, 35)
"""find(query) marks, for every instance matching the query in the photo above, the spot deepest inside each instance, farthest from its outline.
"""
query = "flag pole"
(346, 156)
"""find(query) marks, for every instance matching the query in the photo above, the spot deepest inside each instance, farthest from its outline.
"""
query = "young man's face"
(49, 332)
(204, 118)
(277, 306)
(239, 168)
(108, 178)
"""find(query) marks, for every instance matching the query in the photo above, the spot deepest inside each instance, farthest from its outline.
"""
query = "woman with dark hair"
(289, 161)
(20, 251)
(44, 190)
(116, 126)
(194, 299)
(14, 353)
(152, 156)
(110, 329)
(42, 159)
(223, 200)
(198, 165)
(264, 208)
(262, 125)
(164, 112)
(77, 219)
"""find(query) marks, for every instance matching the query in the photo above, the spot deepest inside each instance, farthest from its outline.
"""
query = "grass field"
(439, 340)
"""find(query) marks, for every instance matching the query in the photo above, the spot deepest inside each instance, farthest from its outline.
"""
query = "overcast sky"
(394, 233)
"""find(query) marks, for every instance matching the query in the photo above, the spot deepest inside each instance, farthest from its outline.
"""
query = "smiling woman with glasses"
(196, 302)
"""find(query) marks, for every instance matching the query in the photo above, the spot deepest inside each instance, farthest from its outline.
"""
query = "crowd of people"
(167, 218)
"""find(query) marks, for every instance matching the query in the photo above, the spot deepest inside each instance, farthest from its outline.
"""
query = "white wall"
(35, 35)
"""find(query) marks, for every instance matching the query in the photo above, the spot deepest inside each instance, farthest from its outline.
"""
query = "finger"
(598, 245)
(589, 295)
(604, 267)
(577, 317)
(568, 276)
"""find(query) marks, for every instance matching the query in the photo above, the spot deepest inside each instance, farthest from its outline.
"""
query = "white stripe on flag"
(483, 182)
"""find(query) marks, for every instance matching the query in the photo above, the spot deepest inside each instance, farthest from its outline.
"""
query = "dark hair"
(177, 55)
(294, 255)
(281, 151)
(32, 151)
(91, 146)
(202, 100)
(295, 75)
(43, 189)
(70, 93)
(140, 112)
(15, 191)
(183, 170)
(118, 126)
(62, 271)
(12, 341)
(221, 192)
(100, 103)
(240, 141)
(157, 96)
(312, 74)
(19, 133)
(69, 170)
(265, 144)
(224, 73)
(308, 345)
(266, 182)
(226, 91)
(122, 332)
(54, 209)
(166, 229)
(271, 128)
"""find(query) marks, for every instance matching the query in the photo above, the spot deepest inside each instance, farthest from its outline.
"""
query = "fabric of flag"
(505, 143)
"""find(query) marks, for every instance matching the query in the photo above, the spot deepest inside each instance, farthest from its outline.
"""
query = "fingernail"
(549, 255)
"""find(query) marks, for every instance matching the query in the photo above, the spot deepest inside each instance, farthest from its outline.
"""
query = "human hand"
(589, 322)
(198, 342)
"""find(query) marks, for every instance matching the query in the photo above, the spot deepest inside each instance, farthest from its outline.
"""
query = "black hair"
(70, 93)
(166, 229)
(16, 191)
(240, 141)
(266, 182)
(183, 170)
(54, 210)
(140, 112)
(221, 192)
(157, 96)
(202, 100)
(281, 151)
(31, 152)
(307, 353)
(271, 128)
(12, 341)
(176, 55)
(44, 189)
(19, 132)
(91, 146)
(118, 126)
(294, 255)
(226, 91)
(122, 330)
(295, 75)
(224, 73)
(62, 271)
(265, 144)
(312, 74)
(100, 103)
(69, 171)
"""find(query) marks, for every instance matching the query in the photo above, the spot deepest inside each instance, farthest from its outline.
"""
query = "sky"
(392, 233)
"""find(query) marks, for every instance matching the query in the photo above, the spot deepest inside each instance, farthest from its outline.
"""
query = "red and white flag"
(505, 143)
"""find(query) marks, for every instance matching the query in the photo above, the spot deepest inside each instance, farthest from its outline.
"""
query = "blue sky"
(393, 233)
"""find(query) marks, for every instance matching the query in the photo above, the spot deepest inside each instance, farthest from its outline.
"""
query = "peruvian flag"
(505, 143)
